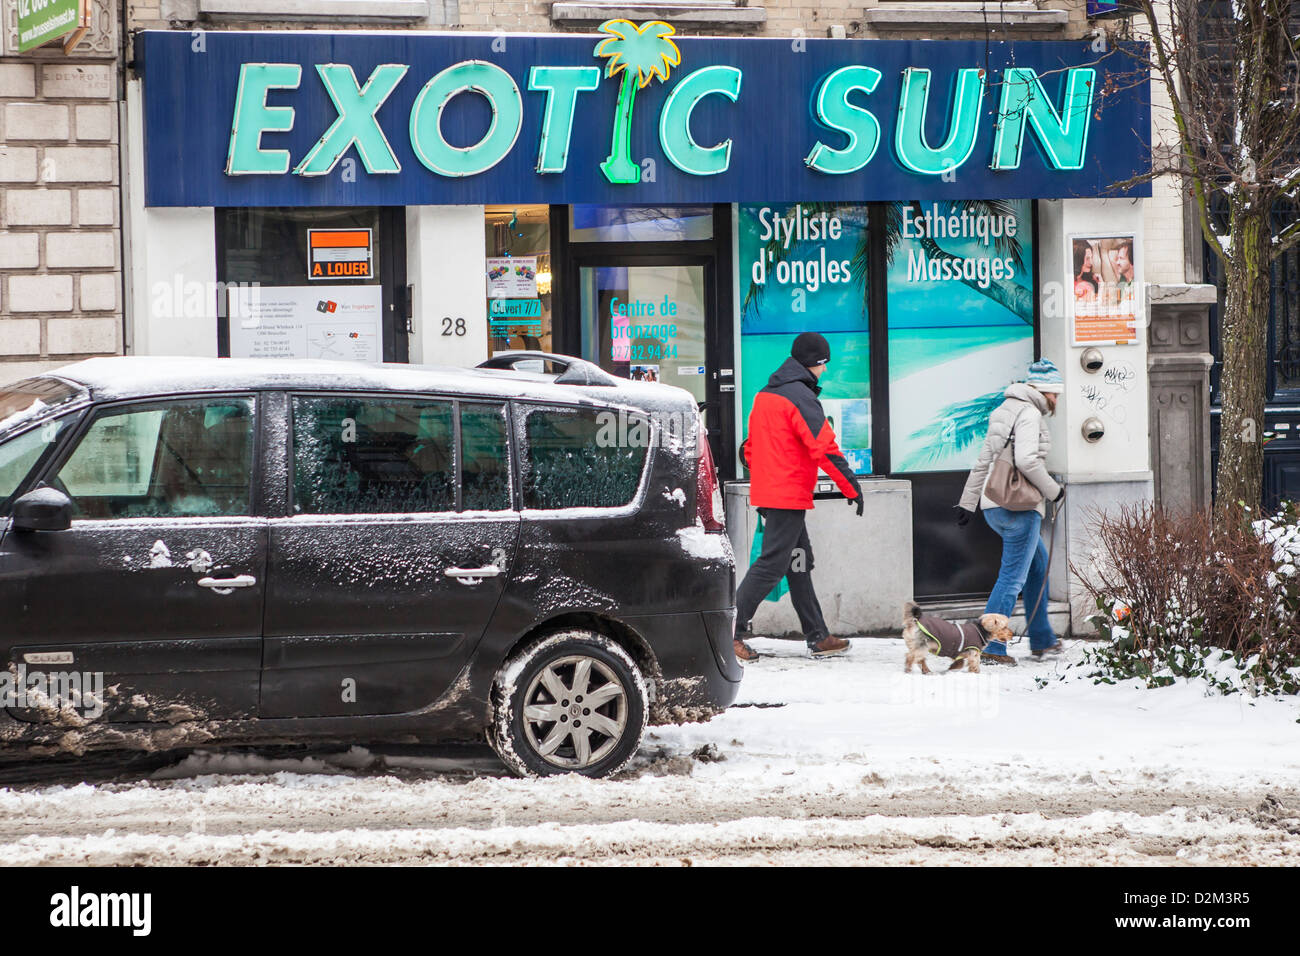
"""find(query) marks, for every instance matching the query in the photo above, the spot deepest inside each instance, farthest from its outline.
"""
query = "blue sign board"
(630, 115)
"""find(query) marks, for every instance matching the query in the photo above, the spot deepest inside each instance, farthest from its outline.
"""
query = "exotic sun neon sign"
(635, 56)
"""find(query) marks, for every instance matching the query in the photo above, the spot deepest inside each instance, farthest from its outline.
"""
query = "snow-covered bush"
(1178, 598)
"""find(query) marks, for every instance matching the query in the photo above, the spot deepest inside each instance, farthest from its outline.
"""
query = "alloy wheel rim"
(575, 712)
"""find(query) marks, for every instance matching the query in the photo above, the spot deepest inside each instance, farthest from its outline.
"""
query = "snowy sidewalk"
(1002, 731)
(858, 763)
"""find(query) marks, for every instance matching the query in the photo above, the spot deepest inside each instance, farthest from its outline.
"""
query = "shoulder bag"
(1007, 486)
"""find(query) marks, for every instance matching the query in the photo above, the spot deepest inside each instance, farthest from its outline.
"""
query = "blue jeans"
(1024, 568)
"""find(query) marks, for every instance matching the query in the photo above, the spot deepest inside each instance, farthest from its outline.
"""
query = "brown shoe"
(744, 653)
(827, 646)
(1004, 659)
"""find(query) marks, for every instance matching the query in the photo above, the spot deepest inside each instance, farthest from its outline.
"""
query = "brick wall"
(60, 235)
(784, 18)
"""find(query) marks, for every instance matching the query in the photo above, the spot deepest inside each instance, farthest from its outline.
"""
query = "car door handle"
(470, 575)
(239, 581)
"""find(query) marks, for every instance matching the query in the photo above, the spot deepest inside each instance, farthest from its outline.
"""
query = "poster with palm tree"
(961, 314)
(641, 54)
(803, 267)
(960, 331)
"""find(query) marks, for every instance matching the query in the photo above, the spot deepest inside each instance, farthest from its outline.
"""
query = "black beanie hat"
(811, 348)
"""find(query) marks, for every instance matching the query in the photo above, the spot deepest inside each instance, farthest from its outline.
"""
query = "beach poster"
(803, 267)
(961, 323)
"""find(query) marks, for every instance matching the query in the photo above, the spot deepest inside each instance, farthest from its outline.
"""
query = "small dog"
(924, 634)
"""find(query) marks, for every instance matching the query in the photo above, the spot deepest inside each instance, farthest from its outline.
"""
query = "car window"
(181, 459)
(378, 455)
(20, 453)
(32, 398)
(484, 457)
(576, 459)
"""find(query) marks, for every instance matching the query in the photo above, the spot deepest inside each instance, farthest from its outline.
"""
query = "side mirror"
(45, 509)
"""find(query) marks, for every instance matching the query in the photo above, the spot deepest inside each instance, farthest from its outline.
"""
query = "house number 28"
(453, 326)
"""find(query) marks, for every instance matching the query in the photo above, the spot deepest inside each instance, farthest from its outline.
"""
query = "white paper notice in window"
(313, 322)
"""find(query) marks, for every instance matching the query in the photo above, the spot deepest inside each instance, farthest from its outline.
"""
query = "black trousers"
(787, 553)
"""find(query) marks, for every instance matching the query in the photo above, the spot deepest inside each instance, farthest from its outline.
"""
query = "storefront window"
(302, 283)
(803, 267)
(639, 223)
(961, 323)
(519, 278)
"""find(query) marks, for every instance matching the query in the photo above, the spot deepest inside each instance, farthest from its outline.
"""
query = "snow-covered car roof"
(124, 377)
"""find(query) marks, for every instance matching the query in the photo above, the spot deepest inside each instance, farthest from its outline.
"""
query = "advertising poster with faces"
(1103, 289)
(803, 267)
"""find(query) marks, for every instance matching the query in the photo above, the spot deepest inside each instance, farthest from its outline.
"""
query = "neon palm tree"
(640, 53)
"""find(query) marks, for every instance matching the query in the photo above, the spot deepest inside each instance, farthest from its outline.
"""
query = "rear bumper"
(721, 629)
(699, 676)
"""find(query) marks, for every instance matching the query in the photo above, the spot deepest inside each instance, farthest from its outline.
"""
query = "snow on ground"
(845, 760)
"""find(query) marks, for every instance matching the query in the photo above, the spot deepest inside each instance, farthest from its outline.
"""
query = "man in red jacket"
(789, 440)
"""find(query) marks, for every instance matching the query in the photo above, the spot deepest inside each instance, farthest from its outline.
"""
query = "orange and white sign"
(340, 254)
(1105, 284)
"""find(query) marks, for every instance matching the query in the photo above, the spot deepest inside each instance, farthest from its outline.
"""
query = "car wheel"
(572, 702)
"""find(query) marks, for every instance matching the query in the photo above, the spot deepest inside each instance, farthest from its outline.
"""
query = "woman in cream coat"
(1024, 557)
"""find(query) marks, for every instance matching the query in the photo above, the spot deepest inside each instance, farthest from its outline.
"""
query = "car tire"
(537, 720)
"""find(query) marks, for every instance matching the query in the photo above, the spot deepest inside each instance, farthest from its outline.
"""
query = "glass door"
(646, 323)
(650, 319)
(646, 293)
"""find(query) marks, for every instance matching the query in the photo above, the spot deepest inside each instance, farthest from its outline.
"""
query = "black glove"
(859, 500)
(963, 516)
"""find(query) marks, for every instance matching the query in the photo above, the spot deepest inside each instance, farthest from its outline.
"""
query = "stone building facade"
(89, 268)
(948, 19)
(60, 219)
(62, 245)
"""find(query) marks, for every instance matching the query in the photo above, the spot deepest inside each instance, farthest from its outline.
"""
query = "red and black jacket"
(789, 439)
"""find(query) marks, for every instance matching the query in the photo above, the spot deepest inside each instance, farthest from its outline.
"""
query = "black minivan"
(205, 551)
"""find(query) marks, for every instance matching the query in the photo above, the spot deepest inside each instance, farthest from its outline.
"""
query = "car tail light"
(708, 492)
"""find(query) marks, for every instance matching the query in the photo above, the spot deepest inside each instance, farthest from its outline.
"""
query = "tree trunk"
(1244, 346)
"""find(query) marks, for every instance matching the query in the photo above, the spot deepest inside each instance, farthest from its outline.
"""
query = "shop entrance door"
(661, 311)
(316, 283)
(647, 320)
